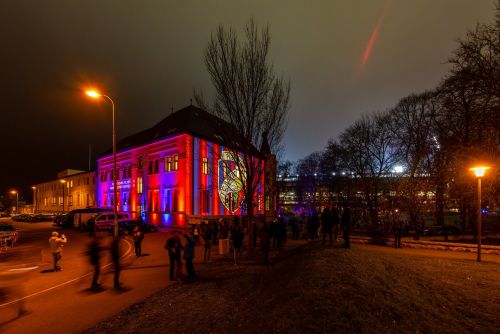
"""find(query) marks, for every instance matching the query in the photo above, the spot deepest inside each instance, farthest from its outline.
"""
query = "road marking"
(67, 282)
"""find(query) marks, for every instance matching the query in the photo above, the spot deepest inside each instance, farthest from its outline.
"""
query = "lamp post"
(63, 182)
(34, 199)
(94, 94)
(15, 192)
(479, 172)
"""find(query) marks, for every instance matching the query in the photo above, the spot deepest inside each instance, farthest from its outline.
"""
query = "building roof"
(194, 121)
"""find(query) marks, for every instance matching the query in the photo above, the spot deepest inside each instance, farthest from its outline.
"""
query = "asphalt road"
(61, 302)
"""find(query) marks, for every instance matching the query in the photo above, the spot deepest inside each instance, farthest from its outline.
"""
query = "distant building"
(181, 171)
(72, 189)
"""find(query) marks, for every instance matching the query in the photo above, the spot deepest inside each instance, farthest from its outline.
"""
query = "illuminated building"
(72, 189)
(180, 171)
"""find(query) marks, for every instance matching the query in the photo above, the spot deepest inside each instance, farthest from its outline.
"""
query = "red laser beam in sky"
(374, 34)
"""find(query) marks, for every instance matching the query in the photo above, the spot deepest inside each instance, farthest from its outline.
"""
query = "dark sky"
(148, 55)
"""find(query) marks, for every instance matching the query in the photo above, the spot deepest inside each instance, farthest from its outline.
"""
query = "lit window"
(168, 164)
(176, 162)
(205, 166)
(139, 185)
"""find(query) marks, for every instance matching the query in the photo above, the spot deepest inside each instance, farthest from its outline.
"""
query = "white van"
(106, 220)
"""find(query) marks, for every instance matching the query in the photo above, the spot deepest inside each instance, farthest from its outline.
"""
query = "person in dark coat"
(174, 247)
(326, 225)
(91, 228)
(345, 222)
(237, 237)
(335, 215)
(215, 232)
(138, 236)
(396, 229)
(94, 251)
(207, 238)
(314, 224)
(264, 241)
(189, 249)
(115, 257)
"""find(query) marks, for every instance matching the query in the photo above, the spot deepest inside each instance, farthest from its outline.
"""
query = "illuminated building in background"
(179, 171)
(72, 189)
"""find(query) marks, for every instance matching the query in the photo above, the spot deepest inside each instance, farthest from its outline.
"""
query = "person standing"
(174, 248)
(94, 252)
(237, 237)
(115, 257)
(335, 215)
(91, 227)
(396, 229)
(138, 236)
(345, 222)
(56, 247)
(215, 232)
(207, 238)
(189, 249)
(264, 241)
(326, 223)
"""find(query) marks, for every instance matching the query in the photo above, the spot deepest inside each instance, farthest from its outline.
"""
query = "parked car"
(106, 220)
(31, 218)
(4, 213)
(10, 233)
(126, 227)
(436, 230)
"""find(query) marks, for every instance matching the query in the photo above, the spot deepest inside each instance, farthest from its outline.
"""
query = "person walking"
(174, 247)
(115, 257)
(56, 247)
(189, 249)
(345, 222)
(94, 252)
(138, 237)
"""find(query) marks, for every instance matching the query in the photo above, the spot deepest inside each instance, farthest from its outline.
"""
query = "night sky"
(344, 58)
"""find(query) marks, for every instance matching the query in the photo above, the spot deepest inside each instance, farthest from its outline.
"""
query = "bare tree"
(250, 97)
(368, 152)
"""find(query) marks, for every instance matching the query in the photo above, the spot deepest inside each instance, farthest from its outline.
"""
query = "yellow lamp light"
(480, 170)
(13, 192)
(92, 93)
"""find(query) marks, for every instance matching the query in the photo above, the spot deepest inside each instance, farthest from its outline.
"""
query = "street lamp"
(94, 94)
(34, 199)
(479, 172)
(63, 184)
(15, 192)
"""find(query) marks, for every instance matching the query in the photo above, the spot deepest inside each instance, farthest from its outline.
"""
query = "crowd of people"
(229, 236)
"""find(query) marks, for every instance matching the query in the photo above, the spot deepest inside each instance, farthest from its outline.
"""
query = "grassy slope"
(326, 290)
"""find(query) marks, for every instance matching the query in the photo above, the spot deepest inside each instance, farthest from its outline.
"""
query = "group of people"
(95, 250)
(331, 221)
(181, 246)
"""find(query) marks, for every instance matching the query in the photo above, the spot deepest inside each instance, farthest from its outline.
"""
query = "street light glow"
(92, 93)
(480, 170)
(13, 192)
(398, 169)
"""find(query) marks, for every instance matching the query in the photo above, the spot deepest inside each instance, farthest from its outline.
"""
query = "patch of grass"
(320, 290)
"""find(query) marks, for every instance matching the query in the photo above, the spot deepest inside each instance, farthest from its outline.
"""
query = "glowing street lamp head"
(480, 170)
(93, 94)
(13, 192)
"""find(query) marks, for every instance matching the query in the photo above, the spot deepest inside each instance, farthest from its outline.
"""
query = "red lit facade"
(172, 174)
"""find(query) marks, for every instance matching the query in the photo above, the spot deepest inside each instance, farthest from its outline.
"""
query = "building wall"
(77, 192)
(181, 180)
